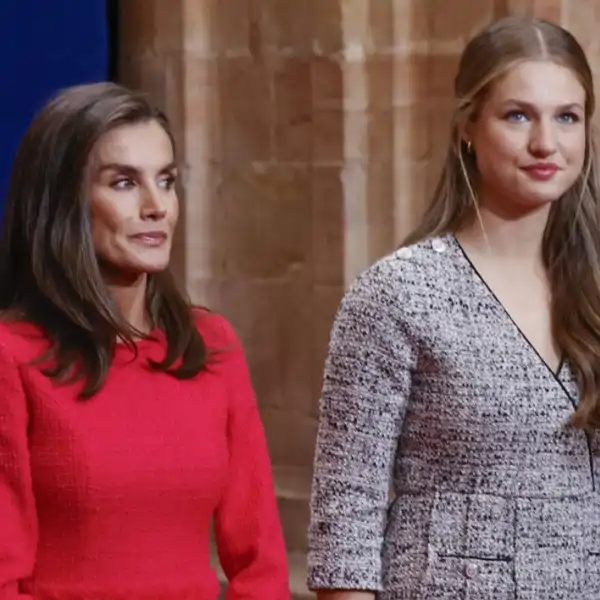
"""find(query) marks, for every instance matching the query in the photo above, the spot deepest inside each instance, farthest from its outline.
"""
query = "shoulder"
(216, 331)
(21, 342)
(409, 272)
(225, 352)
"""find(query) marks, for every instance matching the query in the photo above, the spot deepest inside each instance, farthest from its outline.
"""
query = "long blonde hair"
(571, 242)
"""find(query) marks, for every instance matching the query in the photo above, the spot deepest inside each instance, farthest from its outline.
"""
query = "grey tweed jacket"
(431, 390)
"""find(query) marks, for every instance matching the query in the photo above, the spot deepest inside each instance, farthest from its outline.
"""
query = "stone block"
(411, 22)
(356, 86)
(328, 136)
(329, 29)
(412, 131)
(202, 110)
(328, 225)
(293, 110)
(356, 23)
(380, 208)
(410, 79)
(414, 184)
(287, 27)
(144, 72)
(357, 131)
(543, 9)
(296, 333)
(169, 23)
(381, 19)
(234, 23)
(262, 222)
(442, 72)
(137, 29)
(380, 82)
(355, 181)
(327, 83)
(291, 437)
(440, 114)
(381, 134)
(459, 20)
(552, 10)
(161, 77)
(199, 26)
(201, 184)
(246, 109)
(292, 486)
(581, 19)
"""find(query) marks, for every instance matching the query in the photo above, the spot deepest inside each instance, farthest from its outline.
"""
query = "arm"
(247, 527)
(365, 389)
(18, 525)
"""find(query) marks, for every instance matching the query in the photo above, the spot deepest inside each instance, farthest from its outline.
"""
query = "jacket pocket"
(477, 525)
(471, 548)
(469, 578)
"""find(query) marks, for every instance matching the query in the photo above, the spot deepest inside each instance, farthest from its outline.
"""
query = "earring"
(469, 148)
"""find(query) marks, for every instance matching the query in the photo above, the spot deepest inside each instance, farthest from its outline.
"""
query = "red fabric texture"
(112, 498)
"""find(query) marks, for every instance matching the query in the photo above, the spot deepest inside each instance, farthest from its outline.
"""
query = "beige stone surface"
(311, 134)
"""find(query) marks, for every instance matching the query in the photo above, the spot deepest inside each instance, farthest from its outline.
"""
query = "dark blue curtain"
(45, 45)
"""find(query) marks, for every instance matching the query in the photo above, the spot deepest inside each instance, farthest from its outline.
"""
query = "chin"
(540, 200)
(139, 268)
(541, 197)
(151, 269)
(150, 264)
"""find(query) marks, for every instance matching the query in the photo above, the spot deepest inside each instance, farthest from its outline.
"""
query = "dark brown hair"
(49, 271)
(571, 242)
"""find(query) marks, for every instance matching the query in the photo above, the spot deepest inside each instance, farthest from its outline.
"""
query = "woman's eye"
(167, 182)
(569, 117)
(516, 116)
(122, 184)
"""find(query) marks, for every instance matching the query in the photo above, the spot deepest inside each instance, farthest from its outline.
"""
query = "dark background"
(48, 45)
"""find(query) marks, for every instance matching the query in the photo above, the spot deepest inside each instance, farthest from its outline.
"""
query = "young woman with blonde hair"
(464, 369)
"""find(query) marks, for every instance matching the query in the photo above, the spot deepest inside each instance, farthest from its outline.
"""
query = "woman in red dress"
(127, 419)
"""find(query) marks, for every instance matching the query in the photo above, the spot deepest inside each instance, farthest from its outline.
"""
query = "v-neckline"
(556, 373)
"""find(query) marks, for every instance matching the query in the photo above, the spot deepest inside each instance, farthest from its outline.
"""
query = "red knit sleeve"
(247, 526)
(18, 523)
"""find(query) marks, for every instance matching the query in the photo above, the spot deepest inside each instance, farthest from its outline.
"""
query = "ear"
(466, 132)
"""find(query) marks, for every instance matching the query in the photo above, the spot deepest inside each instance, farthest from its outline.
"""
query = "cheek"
(106, 220)
(498, 147)
(173, 215)
(574, 148)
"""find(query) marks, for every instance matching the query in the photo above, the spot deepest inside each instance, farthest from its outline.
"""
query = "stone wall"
(311, 133)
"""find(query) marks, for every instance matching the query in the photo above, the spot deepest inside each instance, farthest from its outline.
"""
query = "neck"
(130, 299)
(506, 236)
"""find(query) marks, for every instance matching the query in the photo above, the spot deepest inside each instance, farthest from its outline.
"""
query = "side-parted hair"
(49, 270)
(571, 242)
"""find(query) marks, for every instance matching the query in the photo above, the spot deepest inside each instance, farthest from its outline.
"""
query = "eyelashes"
(127, 183)
(520, 116)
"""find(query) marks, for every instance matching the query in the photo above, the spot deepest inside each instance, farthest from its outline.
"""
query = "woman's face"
(529, 138)
(134, 206)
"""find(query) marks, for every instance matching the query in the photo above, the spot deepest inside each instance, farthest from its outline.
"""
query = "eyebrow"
(125, 168)
(528, 105)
